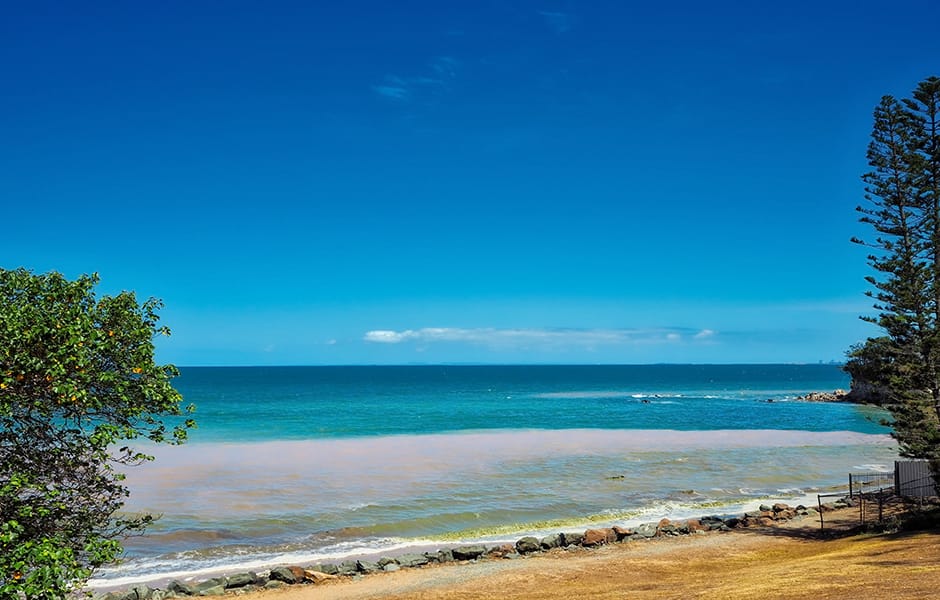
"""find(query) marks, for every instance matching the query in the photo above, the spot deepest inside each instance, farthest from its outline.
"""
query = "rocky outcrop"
(865, 392)
(861, 392)
(833, 396)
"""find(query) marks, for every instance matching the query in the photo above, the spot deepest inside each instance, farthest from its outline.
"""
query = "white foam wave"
(874, 468)
(185, 567)
(602, 394)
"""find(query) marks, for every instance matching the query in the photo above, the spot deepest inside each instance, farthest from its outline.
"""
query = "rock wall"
(282, 576)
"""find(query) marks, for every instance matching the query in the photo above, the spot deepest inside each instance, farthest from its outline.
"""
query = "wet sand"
(788, 562)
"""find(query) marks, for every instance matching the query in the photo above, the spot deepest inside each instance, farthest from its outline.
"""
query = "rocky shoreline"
(281, 576)
(833, 396)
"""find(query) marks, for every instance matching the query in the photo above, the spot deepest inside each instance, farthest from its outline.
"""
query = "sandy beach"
(789, 561)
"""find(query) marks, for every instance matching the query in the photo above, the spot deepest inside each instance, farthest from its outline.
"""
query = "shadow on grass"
(897, 526)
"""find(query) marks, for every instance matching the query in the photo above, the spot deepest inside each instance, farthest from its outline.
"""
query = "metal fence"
(880, 496)
(871, 504)
(912, 479)
(861, 483)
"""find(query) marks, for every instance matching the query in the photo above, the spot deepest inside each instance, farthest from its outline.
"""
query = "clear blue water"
(307, 464)
(268, 403)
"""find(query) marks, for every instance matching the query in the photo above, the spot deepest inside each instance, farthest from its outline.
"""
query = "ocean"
(299, 465)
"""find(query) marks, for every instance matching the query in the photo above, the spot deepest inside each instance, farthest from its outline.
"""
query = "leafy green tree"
(903, 193)
(78, 381)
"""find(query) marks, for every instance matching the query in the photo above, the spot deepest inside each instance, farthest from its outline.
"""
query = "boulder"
(780, 507)
(572, 538)
(181, 587)
(444, 556)
(598, 537)
(140, 592)
(218, 590)
(666, 527)
(681, 528)
(551, 541)
(282, 574)
(501, 550)
(469, 552)
(366, 566)
(695, 525)
(347, 567)
(327, 568)
(382, 562)
(622, 533)
(528, 545)
(391, 568)
(646, 530)
(413, 560)
(203, 587)
(241, 580)
(711, 523)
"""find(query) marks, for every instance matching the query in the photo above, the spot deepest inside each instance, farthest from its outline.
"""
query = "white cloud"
(559, 22)
(536, 337)
(387, 337)
(434, 82)
(445, 67)
(391, 91)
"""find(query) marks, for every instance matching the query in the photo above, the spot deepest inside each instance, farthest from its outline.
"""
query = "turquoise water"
(304, 464)
(276, 403)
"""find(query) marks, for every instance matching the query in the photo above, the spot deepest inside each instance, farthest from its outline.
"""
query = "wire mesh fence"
(860, 483)
(879, 498)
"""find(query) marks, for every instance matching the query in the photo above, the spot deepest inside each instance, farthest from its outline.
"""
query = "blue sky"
(488, 181)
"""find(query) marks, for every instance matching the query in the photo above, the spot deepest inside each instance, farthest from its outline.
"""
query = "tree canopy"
(78, 381)
(903, 210)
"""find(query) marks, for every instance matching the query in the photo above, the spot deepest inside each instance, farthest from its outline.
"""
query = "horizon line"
(508, 364)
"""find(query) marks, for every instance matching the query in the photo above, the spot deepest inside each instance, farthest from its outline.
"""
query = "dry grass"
(784, 563)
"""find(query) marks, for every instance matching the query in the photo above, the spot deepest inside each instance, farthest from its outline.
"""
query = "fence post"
(821, 524)
(850, 486)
